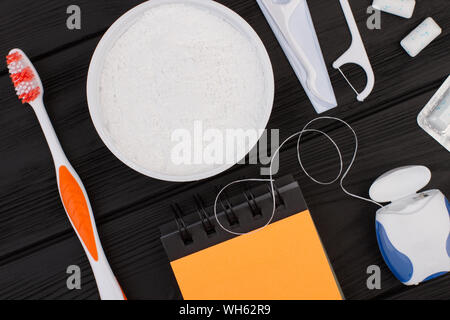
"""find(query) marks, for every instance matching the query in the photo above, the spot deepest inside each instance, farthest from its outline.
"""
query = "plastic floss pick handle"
(356, 54)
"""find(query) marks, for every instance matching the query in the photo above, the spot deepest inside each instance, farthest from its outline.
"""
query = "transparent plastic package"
(435, 117)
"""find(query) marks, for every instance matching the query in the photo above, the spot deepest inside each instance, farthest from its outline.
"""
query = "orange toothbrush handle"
(78, 209)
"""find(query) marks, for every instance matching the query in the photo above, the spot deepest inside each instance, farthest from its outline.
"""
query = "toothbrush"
(29, 89)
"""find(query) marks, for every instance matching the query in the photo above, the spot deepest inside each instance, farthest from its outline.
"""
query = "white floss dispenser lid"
(400, 183)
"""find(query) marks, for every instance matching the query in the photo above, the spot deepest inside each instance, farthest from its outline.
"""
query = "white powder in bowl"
(176, 65)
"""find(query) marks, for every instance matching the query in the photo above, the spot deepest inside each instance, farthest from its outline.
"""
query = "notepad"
(284, 261)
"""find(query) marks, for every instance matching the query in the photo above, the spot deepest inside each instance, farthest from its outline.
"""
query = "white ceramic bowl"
(115, 32)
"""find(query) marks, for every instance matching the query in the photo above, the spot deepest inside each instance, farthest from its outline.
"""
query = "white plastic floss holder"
(356, 54)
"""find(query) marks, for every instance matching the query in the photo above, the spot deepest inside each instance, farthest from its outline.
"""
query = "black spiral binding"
(252, 203)
(278, 198)
(200, 229)
(225, 203)
(181, 224)
(209, 227)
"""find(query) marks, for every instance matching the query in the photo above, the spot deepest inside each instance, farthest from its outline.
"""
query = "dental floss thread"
(421, 37)
(176, 65)
(271, 180)
(401, 8)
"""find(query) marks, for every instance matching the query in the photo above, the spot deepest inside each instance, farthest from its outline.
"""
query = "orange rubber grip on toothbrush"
(77, 208)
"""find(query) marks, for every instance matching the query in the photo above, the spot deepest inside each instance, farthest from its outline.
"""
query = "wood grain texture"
(36, 240)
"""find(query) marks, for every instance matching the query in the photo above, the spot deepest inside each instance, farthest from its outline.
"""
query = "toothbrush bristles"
(30, 96)
(23, 77)
(13, 57)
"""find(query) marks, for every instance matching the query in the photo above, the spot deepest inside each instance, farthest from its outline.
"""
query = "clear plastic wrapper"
(435, 117)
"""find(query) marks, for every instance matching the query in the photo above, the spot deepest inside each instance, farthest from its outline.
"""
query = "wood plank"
(129, 207)
(39, 27)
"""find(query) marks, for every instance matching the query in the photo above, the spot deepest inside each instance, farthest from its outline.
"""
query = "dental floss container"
(413, 231)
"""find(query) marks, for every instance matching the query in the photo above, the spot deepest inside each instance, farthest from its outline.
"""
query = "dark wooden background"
(36, 240)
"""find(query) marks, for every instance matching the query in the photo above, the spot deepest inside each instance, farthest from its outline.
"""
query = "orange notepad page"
(284, 261)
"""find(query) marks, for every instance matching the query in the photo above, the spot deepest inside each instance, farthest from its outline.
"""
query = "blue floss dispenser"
(413, 231)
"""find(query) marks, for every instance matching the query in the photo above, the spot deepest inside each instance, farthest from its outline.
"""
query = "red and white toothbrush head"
(26, 80)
